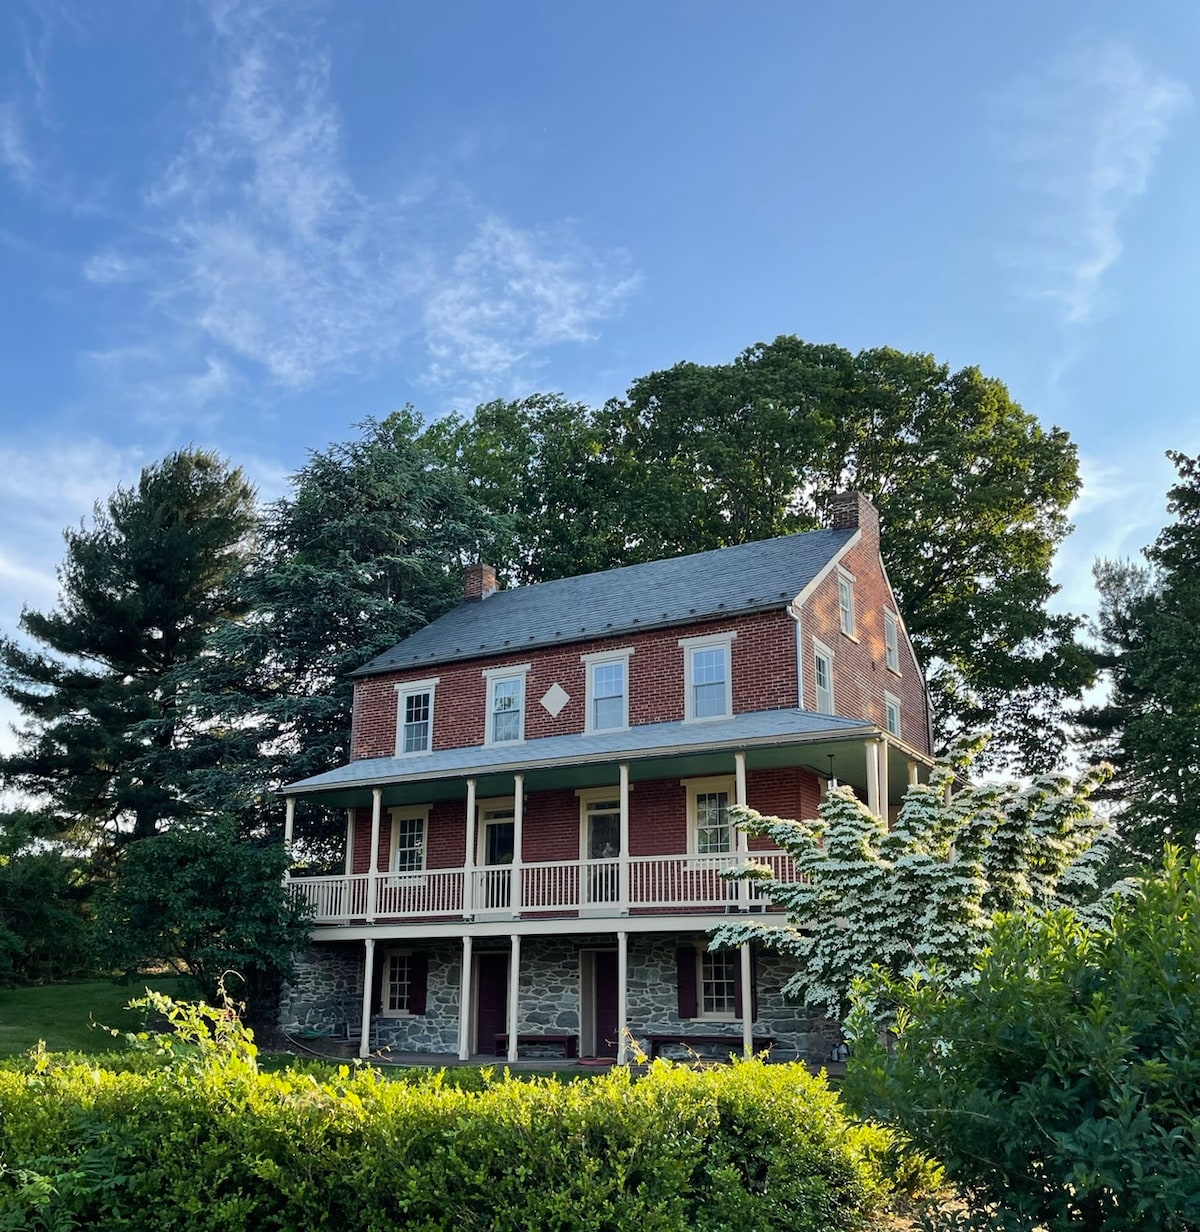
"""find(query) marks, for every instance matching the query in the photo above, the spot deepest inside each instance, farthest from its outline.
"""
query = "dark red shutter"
(685, 980)
(418, 982)
(738, 998)
(377, 981)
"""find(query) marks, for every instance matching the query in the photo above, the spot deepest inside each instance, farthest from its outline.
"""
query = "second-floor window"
(414, 719)
(823, 677)
(408, 840)
(506, 704)
(708, 816)
(891, 711)
(708, 685)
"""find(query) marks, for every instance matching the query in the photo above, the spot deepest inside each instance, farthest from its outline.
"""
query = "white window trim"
(493, 804)
(698, 787)
(390, 953)
(819, 648)
(408, 813)
(594, 795)
(514, 671)
(799, 659)
(892, 621)
(844, 575)
(890, 700)
(404, 690)
(702, 952)
(590, 662)
(707, 642)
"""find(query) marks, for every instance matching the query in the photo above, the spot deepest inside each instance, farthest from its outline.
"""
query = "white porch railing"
(679, 882)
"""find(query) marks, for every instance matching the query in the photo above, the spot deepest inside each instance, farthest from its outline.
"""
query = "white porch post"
(289, 822)
(373, 863)
(912, 774)
(743, 842)
(622, 997)
(364, 1043)
(468, 890)
(464, 1002)
(873, 776)
(747, 1005)
(349, 841)
(518, 820)
(623, 866)
(514, 984)
(884, 802)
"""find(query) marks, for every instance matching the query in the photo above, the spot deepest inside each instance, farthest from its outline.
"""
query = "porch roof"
(679, 742)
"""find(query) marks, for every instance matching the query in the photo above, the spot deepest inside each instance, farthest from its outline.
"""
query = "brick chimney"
(853, 511)
(479, 581)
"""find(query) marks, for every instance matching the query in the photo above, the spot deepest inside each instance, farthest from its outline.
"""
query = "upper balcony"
(676, 884)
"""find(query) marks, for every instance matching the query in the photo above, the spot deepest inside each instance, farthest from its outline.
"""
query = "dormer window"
(506, 704)
(414, 716)
(708, 680)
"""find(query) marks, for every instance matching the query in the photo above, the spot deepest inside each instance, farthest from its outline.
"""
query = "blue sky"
(249, 225)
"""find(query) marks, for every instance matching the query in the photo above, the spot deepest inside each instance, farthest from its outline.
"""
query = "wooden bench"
(762, 1043)
(568, 1043)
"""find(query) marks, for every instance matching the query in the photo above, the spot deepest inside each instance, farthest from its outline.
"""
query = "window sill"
(850, 637)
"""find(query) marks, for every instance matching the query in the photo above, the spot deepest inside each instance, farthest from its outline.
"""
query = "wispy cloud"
(1082, 140)
(260, 249)
(15, 156)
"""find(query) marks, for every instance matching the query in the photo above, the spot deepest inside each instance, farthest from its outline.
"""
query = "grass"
(62, 1014)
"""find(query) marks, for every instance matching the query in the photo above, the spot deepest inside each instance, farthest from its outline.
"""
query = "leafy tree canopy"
(107, 747)
(973, 494)
(1148, 641)
(923, 891)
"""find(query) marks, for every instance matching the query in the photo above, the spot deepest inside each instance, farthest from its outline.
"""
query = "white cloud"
(14, 150)
(1082, 140)
(263, 253)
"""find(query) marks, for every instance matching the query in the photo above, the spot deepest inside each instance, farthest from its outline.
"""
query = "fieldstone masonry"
(327, 996)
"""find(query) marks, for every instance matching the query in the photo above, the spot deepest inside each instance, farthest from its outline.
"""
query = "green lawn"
(61, 1014)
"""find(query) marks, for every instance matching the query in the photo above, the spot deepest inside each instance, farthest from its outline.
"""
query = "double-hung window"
(708, 802)
(823, 677)
(708, 677)
(891, 712)
(398, 984)
(718, 983)
(408, 839)
(891, 641)
(607, 690)
(506, 704)
(414, 716)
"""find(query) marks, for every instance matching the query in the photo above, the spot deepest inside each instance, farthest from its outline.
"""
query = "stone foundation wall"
(326, 995)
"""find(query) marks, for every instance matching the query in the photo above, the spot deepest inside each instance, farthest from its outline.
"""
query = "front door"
(604, 1002)
(499, 843)
(491, 1000)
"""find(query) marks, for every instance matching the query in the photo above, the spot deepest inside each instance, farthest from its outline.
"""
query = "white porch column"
(289, 823)
(373, 863)
(464, 1001)
(468, 890)
(514, 984)
(912, 774)
(884, 801)
(364, 1043)
(518, 819)
(623, 866)
(622, 997)
(349, 841)
(873, 776)
(743, 842)
(747, 1005)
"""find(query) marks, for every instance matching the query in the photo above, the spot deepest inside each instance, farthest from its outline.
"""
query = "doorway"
(491, 999)
(598, 1002)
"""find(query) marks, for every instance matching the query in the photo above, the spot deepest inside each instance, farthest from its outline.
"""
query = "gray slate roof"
(646, 740)
(744, 578)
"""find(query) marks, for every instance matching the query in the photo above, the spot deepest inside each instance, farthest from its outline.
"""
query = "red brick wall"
(860, 672)
(657, 820)
(763, 668)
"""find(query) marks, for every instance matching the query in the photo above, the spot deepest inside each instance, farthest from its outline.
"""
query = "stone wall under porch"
(326, 996)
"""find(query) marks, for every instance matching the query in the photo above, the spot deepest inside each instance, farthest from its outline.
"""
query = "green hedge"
(203, 1140)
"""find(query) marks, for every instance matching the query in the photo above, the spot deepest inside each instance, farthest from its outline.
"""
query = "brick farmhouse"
(536, 804)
